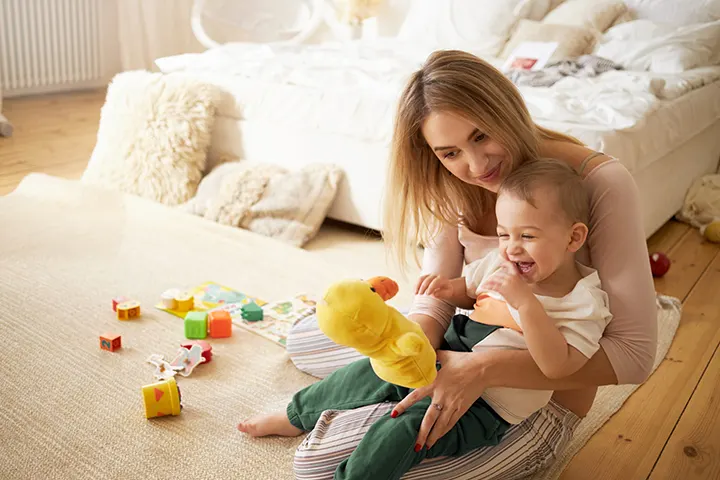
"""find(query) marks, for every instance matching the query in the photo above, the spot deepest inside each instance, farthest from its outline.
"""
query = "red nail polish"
(418, 447)
(393, 414)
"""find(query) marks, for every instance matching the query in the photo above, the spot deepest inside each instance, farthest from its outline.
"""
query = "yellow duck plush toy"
(354, 313)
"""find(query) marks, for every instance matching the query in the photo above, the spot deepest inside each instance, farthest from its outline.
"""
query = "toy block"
(196, 325)
(118, 300)
(220, 324)
(169, 298)
(162, 398)
(252, 312)
(206, 348)
(110, 342)
(128, 310)
(185, 302)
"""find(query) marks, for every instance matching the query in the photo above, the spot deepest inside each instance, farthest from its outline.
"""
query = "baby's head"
(542, 212)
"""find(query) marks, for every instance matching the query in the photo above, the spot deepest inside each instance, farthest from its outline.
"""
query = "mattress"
(335, 103)
(351, 91)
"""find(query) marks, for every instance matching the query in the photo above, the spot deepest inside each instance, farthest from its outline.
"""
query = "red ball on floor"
(659, 264)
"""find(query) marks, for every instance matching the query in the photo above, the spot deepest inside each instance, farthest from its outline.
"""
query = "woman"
(461, 127)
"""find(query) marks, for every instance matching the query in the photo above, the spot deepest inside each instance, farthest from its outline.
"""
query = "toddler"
(558, 311)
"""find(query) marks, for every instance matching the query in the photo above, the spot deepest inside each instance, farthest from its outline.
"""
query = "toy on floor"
(220, 324)
(186, 360)
(196, 325)
(162, 398)
(206, 348)
(169, 298)
(659, 264)
(184, 301)
(252, 312)
(128, 310)
(354, 314)
(163, 370)
(110, 342)
(711, 231)
(118, 300)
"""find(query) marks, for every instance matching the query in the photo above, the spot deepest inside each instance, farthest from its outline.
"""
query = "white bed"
(334, 102)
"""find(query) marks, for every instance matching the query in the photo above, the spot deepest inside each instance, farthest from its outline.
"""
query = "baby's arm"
(547, 345)
(451, 290)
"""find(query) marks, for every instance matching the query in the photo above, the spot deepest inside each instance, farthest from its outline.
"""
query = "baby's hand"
(508, 283)
(435, 285)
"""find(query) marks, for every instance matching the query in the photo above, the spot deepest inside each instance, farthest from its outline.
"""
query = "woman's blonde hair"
(421, 195)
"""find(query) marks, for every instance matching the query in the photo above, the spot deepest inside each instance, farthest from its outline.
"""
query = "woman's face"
(465, 151)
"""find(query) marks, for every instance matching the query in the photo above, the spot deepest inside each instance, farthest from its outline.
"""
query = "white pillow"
(661, 48)
(480, 26)
(597, 14)
(676, 12)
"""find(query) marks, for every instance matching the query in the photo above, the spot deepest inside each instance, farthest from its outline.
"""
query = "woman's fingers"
(411, 399)
(445, 422)
(431, 416)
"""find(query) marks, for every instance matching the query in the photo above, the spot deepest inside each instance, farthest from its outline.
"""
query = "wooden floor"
(668, 429)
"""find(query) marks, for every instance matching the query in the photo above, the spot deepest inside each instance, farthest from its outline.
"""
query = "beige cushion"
(572, 41)
(153, 137)
(597, 14)
(287, 205)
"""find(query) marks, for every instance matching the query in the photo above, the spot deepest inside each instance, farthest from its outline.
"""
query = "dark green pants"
(388, 449)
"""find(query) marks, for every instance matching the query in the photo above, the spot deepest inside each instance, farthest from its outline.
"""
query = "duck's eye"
(373, 289)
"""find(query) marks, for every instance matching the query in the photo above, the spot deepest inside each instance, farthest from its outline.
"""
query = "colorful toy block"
(117, 300)
(252, 312)
(162, 398)
(128, 310)
(220, 323)
(185, 302)
(110, 342)
(196, 325)
(206, 348)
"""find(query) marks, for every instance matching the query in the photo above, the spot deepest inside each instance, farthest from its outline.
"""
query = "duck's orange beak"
(384, 286)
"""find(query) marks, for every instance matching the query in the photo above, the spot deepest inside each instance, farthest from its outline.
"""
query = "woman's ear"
(578, 235)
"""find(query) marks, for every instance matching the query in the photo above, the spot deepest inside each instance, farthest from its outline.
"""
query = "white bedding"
(351, 89)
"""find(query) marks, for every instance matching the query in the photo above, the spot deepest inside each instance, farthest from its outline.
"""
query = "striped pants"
(525, 449)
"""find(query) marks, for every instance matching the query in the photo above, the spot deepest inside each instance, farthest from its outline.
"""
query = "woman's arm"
(618, 251)
(517, 369)
(445, 257)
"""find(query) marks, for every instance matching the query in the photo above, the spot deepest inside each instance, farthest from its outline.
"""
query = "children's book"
(278, 317)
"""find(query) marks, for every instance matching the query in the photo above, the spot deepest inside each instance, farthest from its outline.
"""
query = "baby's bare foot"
(270, 424)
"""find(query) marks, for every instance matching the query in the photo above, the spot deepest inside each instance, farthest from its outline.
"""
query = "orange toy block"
(220, 324)
(110, 342)
(128, 310)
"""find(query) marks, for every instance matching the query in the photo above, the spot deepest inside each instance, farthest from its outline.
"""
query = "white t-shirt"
(581, 317)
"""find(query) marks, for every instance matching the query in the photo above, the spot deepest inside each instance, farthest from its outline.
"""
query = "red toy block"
(207, 348)
(117, 300)
(220, 324)
(110, 342)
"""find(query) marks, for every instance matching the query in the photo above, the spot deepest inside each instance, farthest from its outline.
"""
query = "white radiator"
(53, 45)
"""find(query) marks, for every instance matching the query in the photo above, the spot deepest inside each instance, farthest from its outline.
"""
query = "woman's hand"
(456, 387)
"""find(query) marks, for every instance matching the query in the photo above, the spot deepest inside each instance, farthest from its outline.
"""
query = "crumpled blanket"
(582, 67)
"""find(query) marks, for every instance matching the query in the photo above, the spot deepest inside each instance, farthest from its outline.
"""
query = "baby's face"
(536, 238)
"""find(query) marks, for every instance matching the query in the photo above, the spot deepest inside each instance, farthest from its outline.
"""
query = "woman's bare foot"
(270, 424)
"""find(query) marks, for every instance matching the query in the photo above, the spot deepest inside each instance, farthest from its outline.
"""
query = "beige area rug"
(70, 410)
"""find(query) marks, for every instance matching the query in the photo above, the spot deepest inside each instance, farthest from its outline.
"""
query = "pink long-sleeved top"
(616, 248)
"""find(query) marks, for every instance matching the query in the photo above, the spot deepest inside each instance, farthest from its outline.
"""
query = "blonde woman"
(461, 127)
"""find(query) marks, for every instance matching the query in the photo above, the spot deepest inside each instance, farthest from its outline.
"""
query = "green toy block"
(196, 325)
(252, 312)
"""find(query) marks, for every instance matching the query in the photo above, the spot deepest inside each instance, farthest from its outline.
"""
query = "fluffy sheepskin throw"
(267, 199)
(153, 137)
